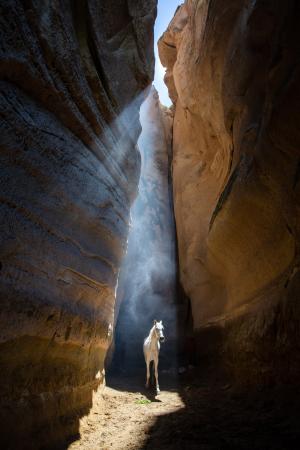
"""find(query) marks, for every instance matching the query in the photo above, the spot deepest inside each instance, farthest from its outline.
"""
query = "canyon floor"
(193, 415)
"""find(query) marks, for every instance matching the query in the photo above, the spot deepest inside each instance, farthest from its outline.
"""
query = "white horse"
(151, 350)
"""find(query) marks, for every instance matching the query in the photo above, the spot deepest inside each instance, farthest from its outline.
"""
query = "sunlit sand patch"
(122, 419)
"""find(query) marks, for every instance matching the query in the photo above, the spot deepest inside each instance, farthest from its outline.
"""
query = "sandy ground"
(205, 415)
(121, 419)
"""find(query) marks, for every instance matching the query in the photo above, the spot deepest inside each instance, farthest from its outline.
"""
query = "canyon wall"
(233, 76)
(73, 76)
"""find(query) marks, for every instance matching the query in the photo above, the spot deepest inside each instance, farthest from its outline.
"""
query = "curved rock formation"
(73, 76)
(233, 73)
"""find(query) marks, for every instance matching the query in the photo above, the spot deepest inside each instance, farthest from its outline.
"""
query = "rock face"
(73, 77)
(147, 283)
(233, 73)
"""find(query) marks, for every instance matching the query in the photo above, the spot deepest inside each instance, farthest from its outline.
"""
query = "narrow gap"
(148, 284)
(147, 281)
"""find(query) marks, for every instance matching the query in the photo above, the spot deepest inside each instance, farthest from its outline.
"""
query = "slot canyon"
(116, 210)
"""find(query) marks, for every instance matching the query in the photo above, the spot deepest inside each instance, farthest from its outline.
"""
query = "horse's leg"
(156, 374)
(152, 373)
(148, 372)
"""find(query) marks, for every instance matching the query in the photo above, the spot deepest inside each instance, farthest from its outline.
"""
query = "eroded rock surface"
(73, 76)
(233, 73)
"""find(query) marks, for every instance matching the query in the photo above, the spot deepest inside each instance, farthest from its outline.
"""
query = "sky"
(165, 12)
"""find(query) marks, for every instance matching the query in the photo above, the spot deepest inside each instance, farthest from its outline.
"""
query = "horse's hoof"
(157, 391)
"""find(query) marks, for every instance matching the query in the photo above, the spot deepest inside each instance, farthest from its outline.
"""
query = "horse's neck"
(152, 335)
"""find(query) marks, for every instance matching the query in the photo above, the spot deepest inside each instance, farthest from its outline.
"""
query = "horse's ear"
(154, 322)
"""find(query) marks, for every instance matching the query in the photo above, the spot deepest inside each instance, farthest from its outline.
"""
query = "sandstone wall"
(233, 73)
(73, 76)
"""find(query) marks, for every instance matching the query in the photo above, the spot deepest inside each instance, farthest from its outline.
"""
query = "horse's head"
(159, 330)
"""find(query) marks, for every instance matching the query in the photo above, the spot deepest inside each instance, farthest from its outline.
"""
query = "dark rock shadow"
(220, 416)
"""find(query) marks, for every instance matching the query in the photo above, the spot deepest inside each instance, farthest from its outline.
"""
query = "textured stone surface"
(233, 72)
(73, 75)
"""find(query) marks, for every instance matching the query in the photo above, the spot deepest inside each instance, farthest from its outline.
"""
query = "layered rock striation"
(233, 75)
(73, 76)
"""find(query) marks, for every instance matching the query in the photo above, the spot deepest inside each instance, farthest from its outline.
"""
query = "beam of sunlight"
(146, 288)
(119, 140)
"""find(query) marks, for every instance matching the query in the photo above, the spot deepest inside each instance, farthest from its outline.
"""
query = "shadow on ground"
(135, 382)
(220, 416)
